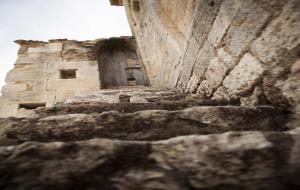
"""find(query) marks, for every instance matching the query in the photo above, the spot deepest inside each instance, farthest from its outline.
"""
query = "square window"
(68, 74)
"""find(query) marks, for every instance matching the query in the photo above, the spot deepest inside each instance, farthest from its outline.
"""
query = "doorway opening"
(119, 63)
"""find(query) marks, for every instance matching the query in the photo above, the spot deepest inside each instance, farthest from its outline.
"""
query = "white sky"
(52, 19)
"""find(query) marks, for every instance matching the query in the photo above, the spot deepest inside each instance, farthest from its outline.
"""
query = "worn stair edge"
(125, 107)
(143, 125)
(233, 160)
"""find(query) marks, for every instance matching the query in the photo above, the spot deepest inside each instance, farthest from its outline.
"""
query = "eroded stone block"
(245, 75)
(280, 36)
(12, 87)
(8, 110)
(245, 28)
(50, 47)
(15, 76)
(226, 14)
(219, 68)
(72, 84)
(204, 57)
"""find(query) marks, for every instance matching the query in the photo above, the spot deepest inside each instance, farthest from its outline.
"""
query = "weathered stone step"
(235, 161)
(143, 125)
(125, 107)
(128, 95)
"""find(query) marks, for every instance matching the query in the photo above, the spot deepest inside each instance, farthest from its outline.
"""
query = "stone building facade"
(47, 73)
(245, 51)
(232, 124)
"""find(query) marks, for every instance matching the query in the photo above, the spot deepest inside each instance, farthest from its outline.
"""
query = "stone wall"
(36, 77)
(47, 73)
(234, 50)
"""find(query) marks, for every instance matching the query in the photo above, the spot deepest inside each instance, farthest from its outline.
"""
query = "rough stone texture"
(36, 76)
(61, 147)
(217, 70)
(282, 34)
(244, 76)
(185, 38)
(128, 100)
(248, 160)
(236, 55)
(145, 125)
(37, 79)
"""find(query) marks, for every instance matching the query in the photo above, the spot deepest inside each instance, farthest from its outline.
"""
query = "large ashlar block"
(204, 18)
(8, 110)
(247, 24)
(281, 36)
(205, 55)
(31, 66)
(72, 65)
(31, 96)
(29, 58)
(219, 67)
(88, 73)
(71, 84)
(189, 60)
(11, 87)
(3, 100)
(63, 95)
(216, 72)
(39, 85)
(245, 75)
(226, 14)
(36, 85)
(74, 51)
(49, 47)
(15, 75)
(39, 57)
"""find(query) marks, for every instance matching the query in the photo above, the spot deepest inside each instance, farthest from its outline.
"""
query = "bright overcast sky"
(52, 19)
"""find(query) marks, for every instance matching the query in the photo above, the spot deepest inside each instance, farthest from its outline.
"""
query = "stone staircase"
(141, 138)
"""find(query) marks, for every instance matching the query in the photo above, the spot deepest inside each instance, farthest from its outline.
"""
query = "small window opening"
(31, 106)
(68, 74)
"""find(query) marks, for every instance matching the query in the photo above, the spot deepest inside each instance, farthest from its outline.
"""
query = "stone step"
(143, 125)
(137, 95)
(235, 160)
(125, 107)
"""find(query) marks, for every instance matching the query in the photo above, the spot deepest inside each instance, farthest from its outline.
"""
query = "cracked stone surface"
(234, 160)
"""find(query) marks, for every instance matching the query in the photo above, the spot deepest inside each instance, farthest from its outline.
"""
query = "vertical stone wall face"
(47, 73)
(36, 77)
(161, 38)
(235, 50)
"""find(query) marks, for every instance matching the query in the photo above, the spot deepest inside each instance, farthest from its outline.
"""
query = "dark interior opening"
(119, 63)
(68, 74)
(31, 106)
